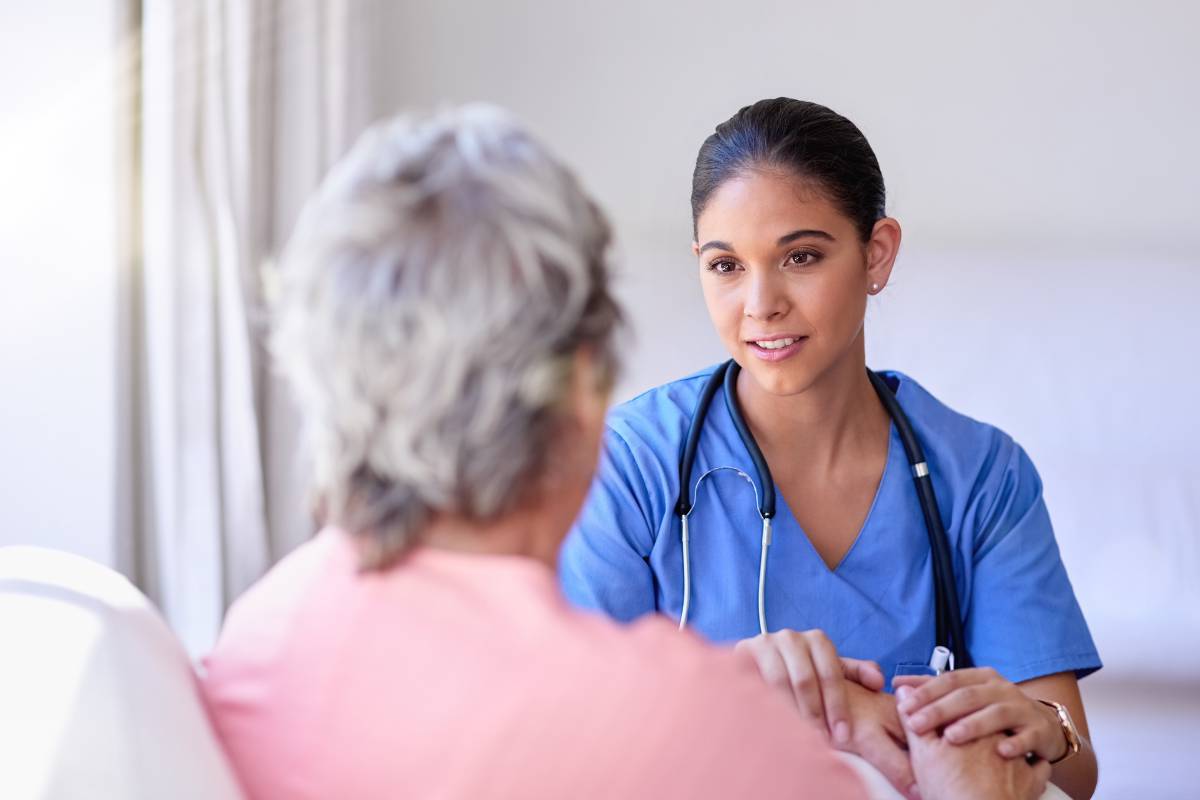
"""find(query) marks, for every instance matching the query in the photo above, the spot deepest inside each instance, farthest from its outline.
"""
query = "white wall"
(57, 307)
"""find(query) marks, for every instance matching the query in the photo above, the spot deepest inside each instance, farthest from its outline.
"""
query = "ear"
(696, 249)
(881, 249)
(589, 392)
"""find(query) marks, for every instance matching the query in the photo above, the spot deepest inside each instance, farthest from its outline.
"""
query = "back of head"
(432, 299)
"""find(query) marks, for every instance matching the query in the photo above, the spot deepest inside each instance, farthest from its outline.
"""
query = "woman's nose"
(765, 299)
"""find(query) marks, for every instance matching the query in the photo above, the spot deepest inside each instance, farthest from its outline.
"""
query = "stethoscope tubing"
(948, 619)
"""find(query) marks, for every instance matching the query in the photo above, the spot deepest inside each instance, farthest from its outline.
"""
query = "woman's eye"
(723, 267)
(802, 257)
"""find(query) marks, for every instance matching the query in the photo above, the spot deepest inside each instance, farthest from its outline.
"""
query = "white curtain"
(243, 104)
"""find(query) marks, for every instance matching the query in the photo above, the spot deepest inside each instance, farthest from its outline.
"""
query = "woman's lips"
(778, 353)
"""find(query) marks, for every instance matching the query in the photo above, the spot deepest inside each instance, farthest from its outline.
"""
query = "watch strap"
(1070, 732)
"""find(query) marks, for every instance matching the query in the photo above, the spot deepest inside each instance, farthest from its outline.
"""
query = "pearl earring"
(874, 288)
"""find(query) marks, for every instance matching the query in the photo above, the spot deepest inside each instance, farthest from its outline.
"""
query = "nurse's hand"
(976, 703)
(806, 667)
(946, 770)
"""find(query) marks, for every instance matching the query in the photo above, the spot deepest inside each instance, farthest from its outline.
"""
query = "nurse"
(791, 239)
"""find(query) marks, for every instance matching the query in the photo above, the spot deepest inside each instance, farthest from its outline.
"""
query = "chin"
(780, 380)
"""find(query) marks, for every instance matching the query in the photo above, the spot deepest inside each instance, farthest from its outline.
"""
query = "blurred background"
(1042, 158)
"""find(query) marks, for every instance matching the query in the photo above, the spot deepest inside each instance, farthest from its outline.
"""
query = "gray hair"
(430, 304)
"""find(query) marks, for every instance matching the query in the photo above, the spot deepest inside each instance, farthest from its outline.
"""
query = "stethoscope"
(949, 630)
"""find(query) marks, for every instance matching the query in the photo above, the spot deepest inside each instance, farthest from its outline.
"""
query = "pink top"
(455, 675)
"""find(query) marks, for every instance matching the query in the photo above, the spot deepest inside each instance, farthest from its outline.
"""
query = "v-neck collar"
(782, 506)
(781, 503)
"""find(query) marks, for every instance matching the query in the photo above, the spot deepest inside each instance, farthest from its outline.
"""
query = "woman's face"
(786, 276)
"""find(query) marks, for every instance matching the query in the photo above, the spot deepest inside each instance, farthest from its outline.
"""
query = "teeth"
(775, 344)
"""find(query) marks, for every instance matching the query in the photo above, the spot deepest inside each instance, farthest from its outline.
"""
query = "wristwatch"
(1070, 732)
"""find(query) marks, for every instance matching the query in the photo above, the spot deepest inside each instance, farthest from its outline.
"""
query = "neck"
(837, 417)
(531, 533)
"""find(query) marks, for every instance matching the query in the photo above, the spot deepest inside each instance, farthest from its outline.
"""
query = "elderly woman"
(446, 321)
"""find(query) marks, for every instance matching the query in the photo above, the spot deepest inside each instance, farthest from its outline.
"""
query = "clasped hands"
(965, 733)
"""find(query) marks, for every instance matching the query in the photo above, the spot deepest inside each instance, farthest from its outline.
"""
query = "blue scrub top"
(624, 555)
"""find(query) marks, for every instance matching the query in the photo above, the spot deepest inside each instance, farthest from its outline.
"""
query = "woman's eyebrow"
(717, 244)
(807, 233)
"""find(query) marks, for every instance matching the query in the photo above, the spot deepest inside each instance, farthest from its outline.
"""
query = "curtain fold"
(237, 109)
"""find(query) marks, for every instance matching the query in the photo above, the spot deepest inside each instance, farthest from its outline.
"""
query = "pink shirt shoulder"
(455, 675)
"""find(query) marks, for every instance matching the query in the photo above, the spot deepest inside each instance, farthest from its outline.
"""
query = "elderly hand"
(973, 704)
(879, 738)
(945, 770)
(806, 666)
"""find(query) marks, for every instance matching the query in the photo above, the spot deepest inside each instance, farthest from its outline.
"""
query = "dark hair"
(815, 143)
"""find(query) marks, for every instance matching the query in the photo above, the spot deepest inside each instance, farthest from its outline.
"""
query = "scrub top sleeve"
(603, 564)
(1023, 618)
